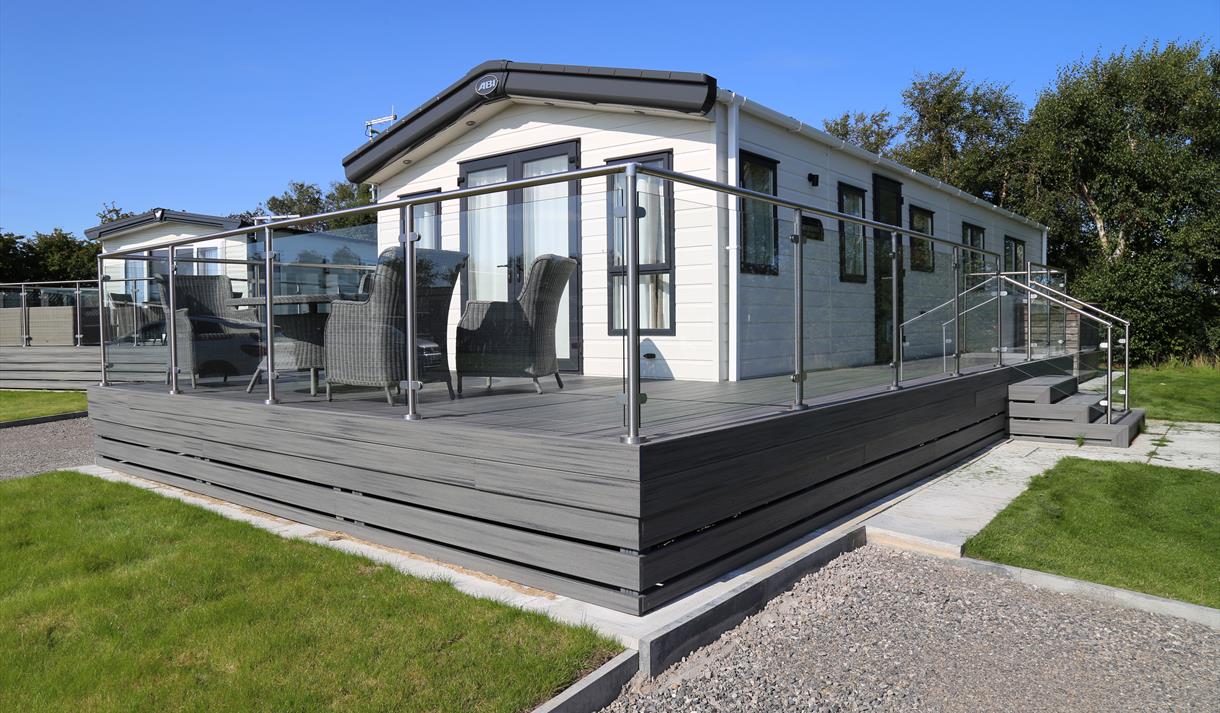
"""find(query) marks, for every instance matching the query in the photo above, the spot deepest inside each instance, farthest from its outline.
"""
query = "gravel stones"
(26, 450)
(883, 630)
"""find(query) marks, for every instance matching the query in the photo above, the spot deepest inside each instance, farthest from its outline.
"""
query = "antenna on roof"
(369, 126)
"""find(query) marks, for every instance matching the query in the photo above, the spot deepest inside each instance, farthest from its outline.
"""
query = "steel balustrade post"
(895, 317)
(1029, 312)
(1127, 367)
(631, 243)
(1109, 374)
(171, 321)
(999, 315)
(798, 313)
(407, 237)
(269, 308)
(25, 318)
(79, 335)
(101, 320)
(957, 311)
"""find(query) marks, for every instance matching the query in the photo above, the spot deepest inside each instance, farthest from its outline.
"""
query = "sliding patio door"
(504, 232)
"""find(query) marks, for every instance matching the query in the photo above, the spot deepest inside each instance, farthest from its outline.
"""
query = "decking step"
(1042, 389)
(1079, 407)
(1118, 434)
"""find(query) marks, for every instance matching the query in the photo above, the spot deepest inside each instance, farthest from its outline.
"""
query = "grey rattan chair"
(516, 339)
(364, 336)
(213, 338)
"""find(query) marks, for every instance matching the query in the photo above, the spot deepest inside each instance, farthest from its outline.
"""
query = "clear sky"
(213, 106)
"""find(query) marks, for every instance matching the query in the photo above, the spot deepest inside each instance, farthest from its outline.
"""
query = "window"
(811, 228)
(923, 252)
(1014, 254)
(656, 233)
(427, 220)
(972, 235)
(207, 268)
(759, 237)
(852, 245)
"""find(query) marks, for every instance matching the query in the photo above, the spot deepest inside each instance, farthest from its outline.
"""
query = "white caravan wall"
(604, 135)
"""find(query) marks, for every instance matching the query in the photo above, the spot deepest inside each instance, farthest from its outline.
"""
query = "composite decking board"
(605, 565)
(670, 561)
(584, 591)
(267, 449)
(694, 579)
(600, 459)
(567, 521)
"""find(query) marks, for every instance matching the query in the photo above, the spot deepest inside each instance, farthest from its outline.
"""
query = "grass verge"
(1129, 525)
(113, 598)
(16, 405)
(1178, 392)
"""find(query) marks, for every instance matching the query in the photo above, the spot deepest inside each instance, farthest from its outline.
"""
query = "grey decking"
(537, 488)
(65, 367)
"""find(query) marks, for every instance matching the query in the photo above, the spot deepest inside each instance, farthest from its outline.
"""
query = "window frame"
(974, 262)
(808, 222)
(436, 219)
(912, 210)
(1011, 240)
(845, 276)
(746, 267)
(666, 157)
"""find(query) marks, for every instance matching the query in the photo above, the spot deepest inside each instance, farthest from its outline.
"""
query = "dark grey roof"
(162, 215)
(687, 92)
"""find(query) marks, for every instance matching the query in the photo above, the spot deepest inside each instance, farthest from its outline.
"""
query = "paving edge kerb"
(43, 419)
(596, 690)
(1103, 593)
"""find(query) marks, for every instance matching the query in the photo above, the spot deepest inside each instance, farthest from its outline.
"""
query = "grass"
(113, 598)
(1130, 525)
(16, 405)
(1178, 391)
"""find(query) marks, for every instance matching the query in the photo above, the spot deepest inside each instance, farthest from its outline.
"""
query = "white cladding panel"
(693, 353)
(839, 315)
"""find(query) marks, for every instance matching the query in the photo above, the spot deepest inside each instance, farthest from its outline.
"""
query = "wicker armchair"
(516, 339)
(364, 336)
(213, 338)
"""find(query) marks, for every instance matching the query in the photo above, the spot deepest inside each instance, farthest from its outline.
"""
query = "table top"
(315, 298)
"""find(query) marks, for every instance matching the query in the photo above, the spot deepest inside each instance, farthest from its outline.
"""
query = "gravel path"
(879, 629)
(26, 450)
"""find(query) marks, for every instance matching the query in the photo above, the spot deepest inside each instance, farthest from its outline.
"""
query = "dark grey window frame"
(926, 245)
(612, 270)
(974, 262)
(747, 267)
(812, 228)
(1020, 265)
(436, 219)
(845, 276)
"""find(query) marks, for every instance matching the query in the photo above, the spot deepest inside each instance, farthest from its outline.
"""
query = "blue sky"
(211, 107)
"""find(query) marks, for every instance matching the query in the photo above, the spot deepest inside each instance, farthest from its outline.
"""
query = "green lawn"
(1129, 525)
(113, 598)
(15, 405)
(1177, 392)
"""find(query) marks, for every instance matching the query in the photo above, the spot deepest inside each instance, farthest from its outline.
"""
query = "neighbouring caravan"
(716, 273)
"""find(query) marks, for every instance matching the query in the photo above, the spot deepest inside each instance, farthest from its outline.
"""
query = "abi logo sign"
(486, 85)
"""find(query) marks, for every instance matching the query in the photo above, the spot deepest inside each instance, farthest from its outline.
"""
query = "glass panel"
(487, 231)
(427, 225)
(188, 267)
(929, 310)
(979, 311)
(655, 300)
(134, 323)
(545, 230)
(654, 227)
(212, 253)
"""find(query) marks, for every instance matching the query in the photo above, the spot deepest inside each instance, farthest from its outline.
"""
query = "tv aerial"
(370, 126)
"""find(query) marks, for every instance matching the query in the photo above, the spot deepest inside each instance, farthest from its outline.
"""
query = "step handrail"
(1109, 343)
(1082, 303)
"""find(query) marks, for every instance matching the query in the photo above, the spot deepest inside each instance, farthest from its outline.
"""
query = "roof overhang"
(157, 216)
(682, 92)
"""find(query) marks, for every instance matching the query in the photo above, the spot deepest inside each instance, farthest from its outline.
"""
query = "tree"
(872, 132)
(961, 132)
(14, 259)
(110, 213)
(57, 255)
(308, 199)
(1122, 158)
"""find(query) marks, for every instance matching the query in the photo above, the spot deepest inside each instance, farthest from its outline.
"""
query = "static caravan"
(716, 274)
(754, 330)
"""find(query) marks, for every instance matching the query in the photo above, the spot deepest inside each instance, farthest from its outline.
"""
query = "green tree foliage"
(111, 212)
(959, 132)
(872, 132)
(309, 199)
(1123, 158)
(57, 255)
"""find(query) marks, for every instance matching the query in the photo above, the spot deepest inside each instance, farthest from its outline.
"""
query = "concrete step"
(1079, 407)
(1119, 434)
(1042, 389)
